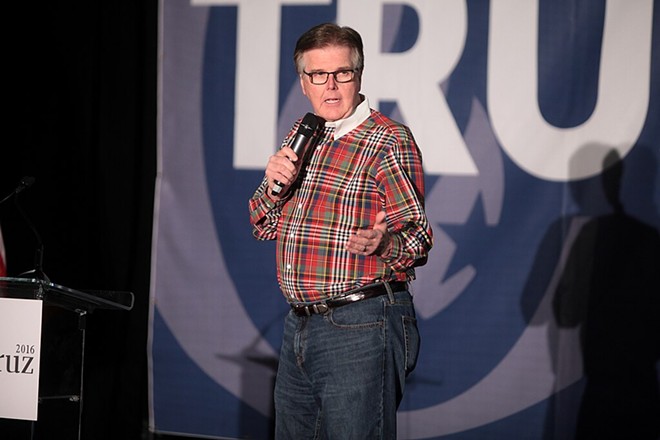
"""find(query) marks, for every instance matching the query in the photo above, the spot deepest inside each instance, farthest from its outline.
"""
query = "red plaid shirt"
(345, 183)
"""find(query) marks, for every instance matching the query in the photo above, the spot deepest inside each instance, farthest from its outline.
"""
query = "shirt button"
(288, 267)
(299, 205)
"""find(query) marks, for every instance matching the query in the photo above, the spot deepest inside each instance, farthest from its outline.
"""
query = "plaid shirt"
(346, 181)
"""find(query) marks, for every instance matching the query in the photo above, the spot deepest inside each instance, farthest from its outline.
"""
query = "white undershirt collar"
(343, 126)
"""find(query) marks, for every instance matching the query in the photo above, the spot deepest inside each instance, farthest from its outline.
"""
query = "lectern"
(57, 358)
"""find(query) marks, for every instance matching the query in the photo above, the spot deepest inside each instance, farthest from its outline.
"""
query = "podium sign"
(20, 348)
(42, 352)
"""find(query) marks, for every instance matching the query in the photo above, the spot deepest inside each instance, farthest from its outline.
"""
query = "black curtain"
(82, 121)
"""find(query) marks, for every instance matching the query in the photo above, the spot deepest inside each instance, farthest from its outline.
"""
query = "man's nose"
(331, 84)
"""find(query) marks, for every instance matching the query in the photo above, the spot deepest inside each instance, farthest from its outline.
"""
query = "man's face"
(332, 100)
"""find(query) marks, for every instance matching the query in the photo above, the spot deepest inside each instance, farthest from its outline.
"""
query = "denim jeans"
(341, 375)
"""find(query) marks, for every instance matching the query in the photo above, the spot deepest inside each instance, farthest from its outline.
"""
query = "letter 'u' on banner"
(20, 347)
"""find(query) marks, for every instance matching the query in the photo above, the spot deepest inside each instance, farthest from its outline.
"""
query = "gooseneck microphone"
(37, 272)
(303, 138)
(25, 182)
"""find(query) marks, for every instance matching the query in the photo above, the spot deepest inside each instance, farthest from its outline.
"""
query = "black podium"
(62, 355)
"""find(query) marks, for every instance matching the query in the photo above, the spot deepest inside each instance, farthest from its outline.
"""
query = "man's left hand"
(371, 241)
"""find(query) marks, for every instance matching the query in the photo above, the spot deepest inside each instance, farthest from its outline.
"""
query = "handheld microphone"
(303, 138)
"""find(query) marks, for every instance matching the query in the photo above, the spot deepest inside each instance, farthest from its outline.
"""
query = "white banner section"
(20, 346)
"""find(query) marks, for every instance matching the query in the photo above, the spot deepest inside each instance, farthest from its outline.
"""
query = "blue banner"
(539, 124)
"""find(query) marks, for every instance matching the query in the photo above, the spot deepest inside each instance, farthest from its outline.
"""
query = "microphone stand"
(37, 272)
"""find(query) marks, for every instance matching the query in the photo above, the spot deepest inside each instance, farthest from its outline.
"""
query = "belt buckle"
(311, 309)
(320, 308)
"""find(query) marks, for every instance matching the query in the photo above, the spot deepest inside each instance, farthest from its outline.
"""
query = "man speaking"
(348, 216)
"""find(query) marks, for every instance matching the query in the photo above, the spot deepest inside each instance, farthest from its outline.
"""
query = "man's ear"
(302, 84)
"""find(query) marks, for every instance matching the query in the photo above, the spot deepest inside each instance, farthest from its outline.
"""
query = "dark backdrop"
(82, 120)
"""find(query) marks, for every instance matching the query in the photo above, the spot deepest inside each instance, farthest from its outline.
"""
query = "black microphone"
(25, 182)
(37, 272)
(303, 138)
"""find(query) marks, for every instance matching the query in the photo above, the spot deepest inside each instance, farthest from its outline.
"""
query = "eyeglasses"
(340, 76)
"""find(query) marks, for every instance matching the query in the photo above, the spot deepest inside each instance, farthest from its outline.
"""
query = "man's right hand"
(281, 167)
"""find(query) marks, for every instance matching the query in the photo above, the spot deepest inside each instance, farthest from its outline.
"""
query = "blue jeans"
(341, 375)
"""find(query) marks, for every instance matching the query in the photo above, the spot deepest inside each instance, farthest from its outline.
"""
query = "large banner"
(539, 123)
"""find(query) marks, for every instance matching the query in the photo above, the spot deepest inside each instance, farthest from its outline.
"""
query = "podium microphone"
(303, 138)
(25, 182)
(37, 272)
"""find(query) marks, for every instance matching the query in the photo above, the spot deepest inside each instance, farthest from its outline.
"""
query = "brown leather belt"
(366, 292)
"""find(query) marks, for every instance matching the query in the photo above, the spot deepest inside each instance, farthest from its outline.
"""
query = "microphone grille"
(308, 125)
(27, 181)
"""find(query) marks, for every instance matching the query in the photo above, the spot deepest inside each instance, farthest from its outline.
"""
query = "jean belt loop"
(390, 294)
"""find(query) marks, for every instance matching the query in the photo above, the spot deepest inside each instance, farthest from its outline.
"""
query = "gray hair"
(326, 35)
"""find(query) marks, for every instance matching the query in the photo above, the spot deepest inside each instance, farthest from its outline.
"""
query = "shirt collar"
(344, 126)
